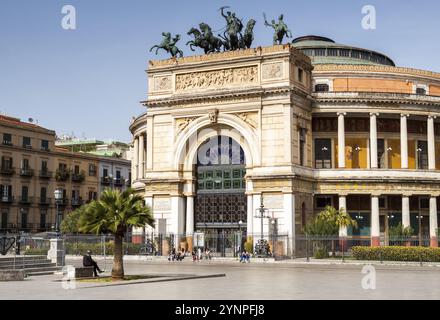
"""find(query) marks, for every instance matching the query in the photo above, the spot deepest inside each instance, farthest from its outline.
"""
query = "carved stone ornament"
(184, 122)
(272, 70)
(217, 78)
(245, 117)
(162, 83)
(213, 116)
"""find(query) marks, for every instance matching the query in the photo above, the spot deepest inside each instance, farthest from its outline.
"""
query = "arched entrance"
(220, 203)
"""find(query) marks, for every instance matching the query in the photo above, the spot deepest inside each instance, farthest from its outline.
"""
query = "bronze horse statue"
(169, 45)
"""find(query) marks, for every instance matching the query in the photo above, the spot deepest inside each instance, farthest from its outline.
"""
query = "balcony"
(119, 182)
(7, 143)
(25, 200)
(77, 202)
(44, 227)
(27, 146)
(45, 149)
(26, 172)
(6, 199)
(5, 228)
(44, 201)
(78, 177)
(106, 181)
(62, 175)
(7, 171)
(44, 174)
(62, 202)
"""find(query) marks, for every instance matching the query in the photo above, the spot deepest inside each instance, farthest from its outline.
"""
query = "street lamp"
(420, 217)
(58, 195)
(262, 247)
(241, 236)
(274, 235)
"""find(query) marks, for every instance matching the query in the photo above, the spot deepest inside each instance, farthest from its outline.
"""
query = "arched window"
(322, 87)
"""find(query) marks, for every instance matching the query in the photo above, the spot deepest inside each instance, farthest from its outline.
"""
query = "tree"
(70, 223)
(114, 212)
(400, 234)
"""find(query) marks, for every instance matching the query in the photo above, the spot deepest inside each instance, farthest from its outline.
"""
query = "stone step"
(23, 261)
(42, 269)
(21, 258)
(27, 265)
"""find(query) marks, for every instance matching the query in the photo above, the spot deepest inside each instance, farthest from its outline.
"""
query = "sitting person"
(207, 254)
(89, 262)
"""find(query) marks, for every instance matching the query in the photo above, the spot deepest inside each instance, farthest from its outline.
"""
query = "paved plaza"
(242, 281)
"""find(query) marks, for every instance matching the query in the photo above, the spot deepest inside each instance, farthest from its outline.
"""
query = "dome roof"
(323, 50)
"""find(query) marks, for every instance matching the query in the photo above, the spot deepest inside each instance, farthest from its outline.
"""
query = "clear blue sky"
(89, 81)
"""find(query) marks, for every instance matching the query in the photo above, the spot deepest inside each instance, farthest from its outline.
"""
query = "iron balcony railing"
(78, 177)
(26, 172)
(45, 174)
(26, 200)
(44, 201)
(106, 180)
(7, 170)
(6, 199)
(76, 202)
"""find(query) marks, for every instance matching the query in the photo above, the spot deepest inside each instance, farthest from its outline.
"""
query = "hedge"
(80, 248)
(396, 253)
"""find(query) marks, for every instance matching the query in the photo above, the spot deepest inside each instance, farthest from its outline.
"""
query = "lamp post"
(262, 214)
(58, 195)
(274, 233)
(241, 237)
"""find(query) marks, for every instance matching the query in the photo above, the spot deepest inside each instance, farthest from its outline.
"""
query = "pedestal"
(56, 252)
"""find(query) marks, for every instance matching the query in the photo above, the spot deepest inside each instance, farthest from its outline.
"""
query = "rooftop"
(324, 50)
(16, 122)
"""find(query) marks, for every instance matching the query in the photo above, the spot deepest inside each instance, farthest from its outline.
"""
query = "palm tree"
(113, 213)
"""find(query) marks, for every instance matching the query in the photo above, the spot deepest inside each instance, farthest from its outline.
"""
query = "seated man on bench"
(89, 262)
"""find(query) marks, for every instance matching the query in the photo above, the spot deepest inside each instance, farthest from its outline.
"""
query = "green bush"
(396, 253)
(248, 246)
(320, 253)
(80, 248)
(36, 252)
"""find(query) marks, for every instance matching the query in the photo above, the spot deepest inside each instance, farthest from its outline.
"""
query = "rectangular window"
(62, 167)
(24, 192)
(422, 155)
(76, 169)
(43, 214)
(45, 145)
(7, 139)
(24, 218)
(43, 194)
(105, 173)
(300, 75)
(25, 164)
(381, 153)
(323, 153)
(6, 163)
(4, 219)
(332, 52)
(27, 142)
(302, 146)
(421, 91)
(92, 170)
(118, 174)
(44, 166)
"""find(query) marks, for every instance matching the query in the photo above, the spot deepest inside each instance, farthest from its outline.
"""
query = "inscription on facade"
(217, 78)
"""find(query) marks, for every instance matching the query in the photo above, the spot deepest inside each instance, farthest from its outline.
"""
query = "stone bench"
(83, 272)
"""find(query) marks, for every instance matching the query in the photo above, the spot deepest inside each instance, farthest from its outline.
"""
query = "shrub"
(248, 246)
(36, 252)
(320, 253)
(80, 248)
(395, 253)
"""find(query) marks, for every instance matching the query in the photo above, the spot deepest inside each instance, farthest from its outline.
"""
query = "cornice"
(376, 97)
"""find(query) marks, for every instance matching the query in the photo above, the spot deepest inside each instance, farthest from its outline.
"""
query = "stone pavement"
(243, 281)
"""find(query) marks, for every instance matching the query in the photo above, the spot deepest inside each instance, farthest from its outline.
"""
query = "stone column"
(135, 158)
(341, 140)
(56, 253)
(373, 140)
(343, 205)
(405, 211)
(403, 141)
(289, 214)
(189, 221)
(375, 225)
(141, 159)
(431, 143)
(433, 224)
